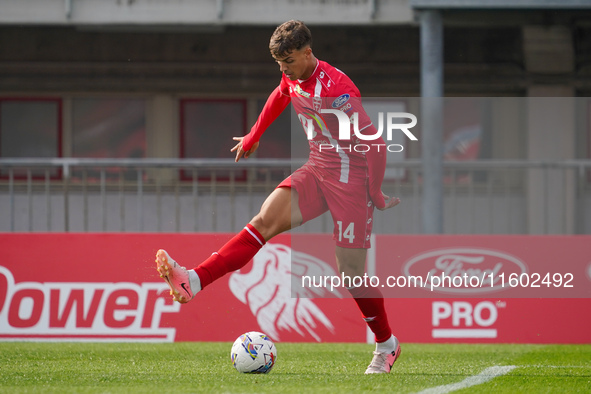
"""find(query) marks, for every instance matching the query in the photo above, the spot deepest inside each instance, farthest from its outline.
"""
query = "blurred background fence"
(219, 195)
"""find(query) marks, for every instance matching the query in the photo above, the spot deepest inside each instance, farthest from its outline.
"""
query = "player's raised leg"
(276, 216)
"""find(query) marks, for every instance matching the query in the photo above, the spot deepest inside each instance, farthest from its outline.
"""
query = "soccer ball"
(253, 352)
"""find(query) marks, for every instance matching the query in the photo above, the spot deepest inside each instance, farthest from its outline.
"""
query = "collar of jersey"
(311, 75)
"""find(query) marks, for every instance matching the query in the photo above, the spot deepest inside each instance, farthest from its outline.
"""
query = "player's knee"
(259, 223)
(269, 226)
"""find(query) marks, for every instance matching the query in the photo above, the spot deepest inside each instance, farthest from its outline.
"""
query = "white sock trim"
(387, 346)
(254, 236)
(194, 282)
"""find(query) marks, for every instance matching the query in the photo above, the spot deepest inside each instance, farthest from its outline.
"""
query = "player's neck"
(313, 63)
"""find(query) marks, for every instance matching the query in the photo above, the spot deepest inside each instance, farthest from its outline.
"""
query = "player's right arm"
(278, 100)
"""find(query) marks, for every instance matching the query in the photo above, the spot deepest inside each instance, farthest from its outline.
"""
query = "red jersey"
(328, 88)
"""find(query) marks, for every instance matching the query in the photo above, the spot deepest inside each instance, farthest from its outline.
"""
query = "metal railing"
(219, 195)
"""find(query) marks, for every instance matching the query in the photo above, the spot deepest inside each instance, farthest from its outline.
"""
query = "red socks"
(235, 254)
(371, 303)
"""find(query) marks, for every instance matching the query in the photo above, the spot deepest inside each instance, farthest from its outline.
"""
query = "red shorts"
(349, 204)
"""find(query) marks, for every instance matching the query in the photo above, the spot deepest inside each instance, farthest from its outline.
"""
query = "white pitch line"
(557, 366)
(483, 377)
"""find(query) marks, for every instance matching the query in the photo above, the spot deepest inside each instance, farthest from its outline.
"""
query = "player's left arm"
(347, 98)
(278, 100)
(376, 165)
(376, 156)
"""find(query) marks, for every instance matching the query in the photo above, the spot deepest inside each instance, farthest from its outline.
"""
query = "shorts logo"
(339, 101)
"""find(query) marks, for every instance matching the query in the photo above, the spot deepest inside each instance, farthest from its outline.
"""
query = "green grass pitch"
(300, 368)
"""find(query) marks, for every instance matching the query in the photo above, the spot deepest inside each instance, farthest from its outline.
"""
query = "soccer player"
(337, 177)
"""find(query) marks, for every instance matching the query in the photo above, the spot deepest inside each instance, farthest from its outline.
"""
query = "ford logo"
(485, 264)
(342, 99)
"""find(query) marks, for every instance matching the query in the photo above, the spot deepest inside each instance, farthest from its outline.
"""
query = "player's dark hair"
(288, 37)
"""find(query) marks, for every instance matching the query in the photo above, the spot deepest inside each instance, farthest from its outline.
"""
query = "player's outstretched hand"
(240, 152)
(390, 202)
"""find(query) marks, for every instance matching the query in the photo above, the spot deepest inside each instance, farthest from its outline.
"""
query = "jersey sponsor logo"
(339, 101)
(346, 108)
(268, 289)
(301, 92)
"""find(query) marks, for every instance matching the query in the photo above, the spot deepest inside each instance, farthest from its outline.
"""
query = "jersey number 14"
(349, 232)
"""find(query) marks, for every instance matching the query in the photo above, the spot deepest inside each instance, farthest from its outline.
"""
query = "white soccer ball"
(253, 352)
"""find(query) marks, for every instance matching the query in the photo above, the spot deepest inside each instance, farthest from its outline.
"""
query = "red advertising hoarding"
(104, 287)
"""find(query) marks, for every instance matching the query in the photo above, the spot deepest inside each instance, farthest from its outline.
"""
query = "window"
(276, 142)
(108, 128)
(463, 136)
(463, 129)
(207, 128)
(31, 128)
